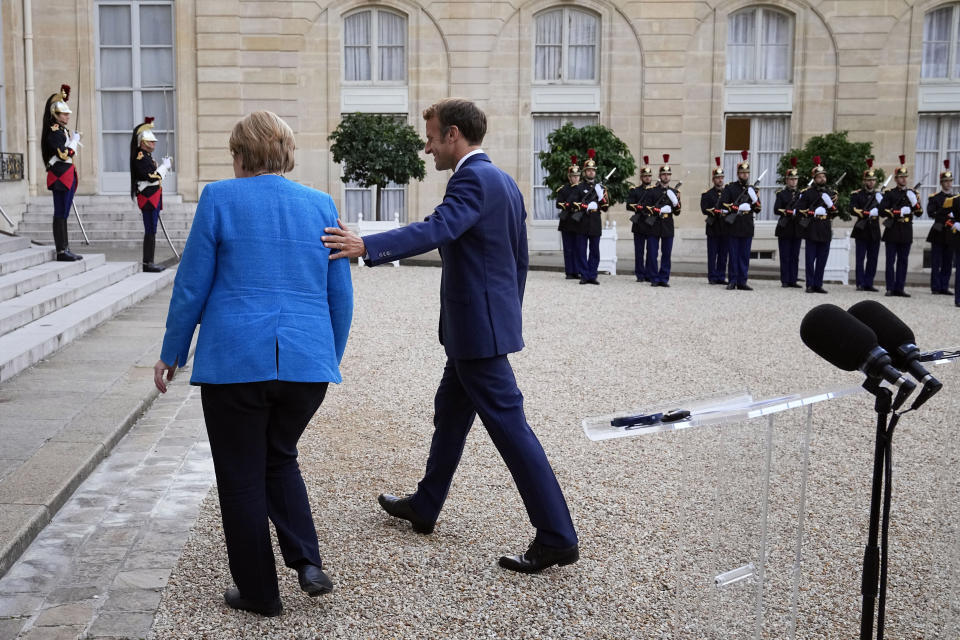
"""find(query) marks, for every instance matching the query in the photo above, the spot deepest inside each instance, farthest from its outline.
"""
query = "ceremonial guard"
(568, 236)
(637, 203)
(711, 206)
(663, 202)
(817, 207)
(145, 179)
(941, 207)
(588, 201)
(865, 207)
(953, 240)
(898, 207)
(788, 231)
(741, 202)
(58, 147)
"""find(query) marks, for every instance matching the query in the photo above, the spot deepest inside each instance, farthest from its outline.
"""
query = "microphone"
(898, 339)
(847, 343)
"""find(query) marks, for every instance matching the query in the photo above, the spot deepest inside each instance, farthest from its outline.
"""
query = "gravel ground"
(658, 516)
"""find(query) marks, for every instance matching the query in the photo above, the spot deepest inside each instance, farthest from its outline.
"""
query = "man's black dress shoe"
(236, 601)
(871, 289)
(663, 284)
(572, 276)
(794, 285)
(731, 286)
(859, 288)
(819, 290)
(590, 281)
(901, 294)
(400, 508)
(313, 580)
(744, 287)
(539, 557)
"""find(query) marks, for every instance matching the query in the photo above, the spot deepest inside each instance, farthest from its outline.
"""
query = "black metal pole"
(871, 554)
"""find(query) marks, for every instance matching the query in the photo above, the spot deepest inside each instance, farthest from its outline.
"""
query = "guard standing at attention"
(145, 179)
(58, 147)
(788, 231)
(818, 207)
(589, 199)
(711, 206)
(865, 207)
(940, 207)
(637, 203)
(742, 203)
(568, 236)
(663, 204)
(898, 208)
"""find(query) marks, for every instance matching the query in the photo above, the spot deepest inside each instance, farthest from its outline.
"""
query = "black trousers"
(253, 429)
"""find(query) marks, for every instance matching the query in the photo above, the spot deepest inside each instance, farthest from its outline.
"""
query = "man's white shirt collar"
(464, 158)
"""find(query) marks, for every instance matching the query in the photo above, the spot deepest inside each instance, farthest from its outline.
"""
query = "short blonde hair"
(263, 142)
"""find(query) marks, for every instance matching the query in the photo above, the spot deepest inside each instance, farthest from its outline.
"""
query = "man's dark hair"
(463, 114)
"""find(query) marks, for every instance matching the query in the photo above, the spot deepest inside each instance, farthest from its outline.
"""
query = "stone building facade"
(695, 79)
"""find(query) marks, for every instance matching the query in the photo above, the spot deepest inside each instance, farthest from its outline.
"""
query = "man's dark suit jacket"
(480, 230)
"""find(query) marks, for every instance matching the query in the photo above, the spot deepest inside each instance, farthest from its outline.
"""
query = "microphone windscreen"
(890, 330)
(837, 337)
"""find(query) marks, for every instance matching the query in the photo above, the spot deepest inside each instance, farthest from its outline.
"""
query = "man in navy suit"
(480, 231)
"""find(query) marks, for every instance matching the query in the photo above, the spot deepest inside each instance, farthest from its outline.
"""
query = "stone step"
(23, 258)
(26, 280)
(75, 238)
(28, 345)
(119, 207)
(9, 244)
(131, 222)
(36, 304)
(100, 199)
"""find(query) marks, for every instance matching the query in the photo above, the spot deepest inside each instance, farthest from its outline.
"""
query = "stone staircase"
(45, 304)
(110, 221)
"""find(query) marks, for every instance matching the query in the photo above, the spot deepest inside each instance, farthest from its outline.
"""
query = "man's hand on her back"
(343, 243)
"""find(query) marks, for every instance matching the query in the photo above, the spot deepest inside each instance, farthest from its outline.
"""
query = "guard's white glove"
(74, 141)
(164, 167)
(878, 196)
(592, 206)
(912, 197)
(904, 211)
(666, 209)
(752, 193)
(744, 207)
(599, 191)
(955, 228)
(874, 213)
(820, 211)
(827, 200)
(673, 197)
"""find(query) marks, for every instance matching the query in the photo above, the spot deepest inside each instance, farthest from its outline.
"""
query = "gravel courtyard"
(658, 516)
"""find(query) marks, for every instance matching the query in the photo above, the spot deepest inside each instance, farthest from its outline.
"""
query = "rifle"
(730, 218)
(163, 227)
(76, 212)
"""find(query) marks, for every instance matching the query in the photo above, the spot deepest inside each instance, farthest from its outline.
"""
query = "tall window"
(766, 138)
(135, 78)
(566, 46)
(3, 96)
(375, 47)
(759, 46)
(941, 33)
(543, 207)
(938, 139)
(359, 200)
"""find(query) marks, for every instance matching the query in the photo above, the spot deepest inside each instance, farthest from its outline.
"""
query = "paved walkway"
(98, 569)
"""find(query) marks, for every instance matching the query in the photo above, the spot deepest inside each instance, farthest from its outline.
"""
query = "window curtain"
(549, 45)
(741, 46)
(930, 155)
(393, 200)
(769, 137)
(937, 26)
(543, 207)
(775, 44)
(582, 49)
(392, 38)
(356, 46)
(356, 201)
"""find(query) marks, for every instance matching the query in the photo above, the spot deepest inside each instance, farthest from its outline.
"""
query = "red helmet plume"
(816, 159)
(903, 159)
(716, 159)
(666, 158)
(869, 163)
(65, 89)
(744, 154)
(946, 163)
(793, 161)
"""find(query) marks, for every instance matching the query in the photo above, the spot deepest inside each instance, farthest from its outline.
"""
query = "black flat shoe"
(871, 289)
(731, 286)
(819, 290)
(236, 601)
(572, 276)
(664, 284)
(744, 287)
(68, 256)
(151, 267)
(859, 288)
(947, 292)
(794, 285)
(590, 281)
(400, 508)
(313, 580)
(539, 557)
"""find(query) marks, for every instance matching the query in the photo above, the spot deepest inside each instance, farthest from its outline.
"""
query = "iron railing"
(11, 166)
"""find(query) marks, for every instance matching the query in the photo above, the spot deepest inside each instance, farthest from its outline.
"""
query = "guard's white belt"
(55, 159)
(143, 184)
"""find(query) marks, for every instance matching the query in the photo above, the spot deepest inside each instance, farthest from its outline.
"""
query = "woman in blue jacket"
(274, 313)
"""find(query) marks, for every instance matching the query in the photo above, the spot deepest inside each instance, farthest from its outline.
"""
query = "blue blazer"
(481, 232)
(256, 276)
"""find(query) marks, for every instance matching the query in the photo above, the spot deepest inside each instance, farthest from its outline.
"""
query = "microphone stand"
(871, 553)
